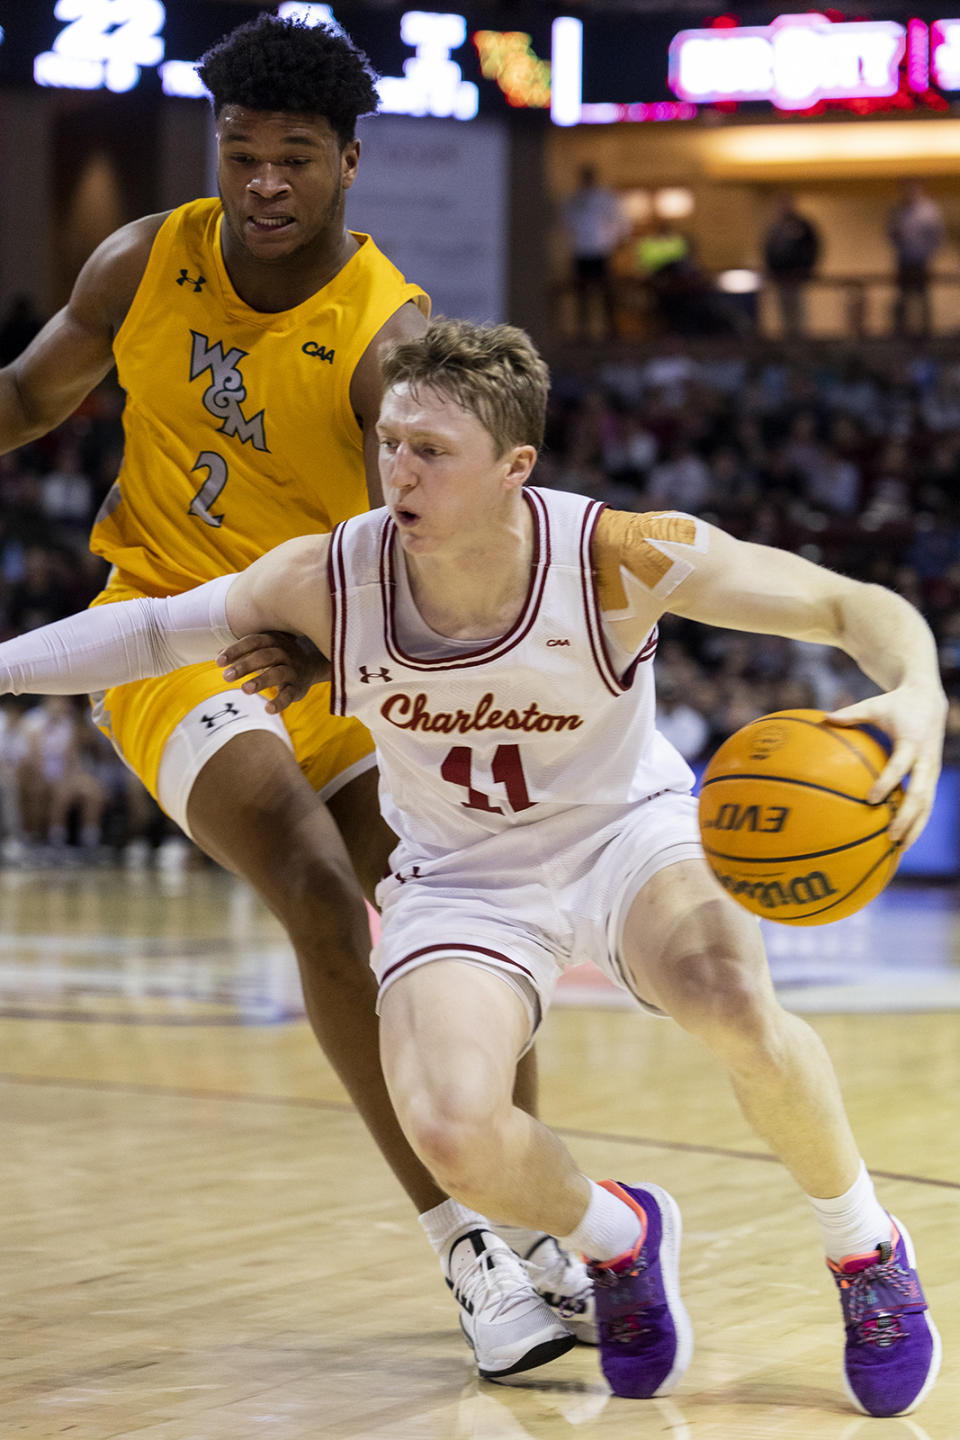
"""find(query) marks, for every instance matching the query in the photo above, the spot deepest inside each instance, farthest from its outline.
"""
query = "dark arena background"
(199, 1239)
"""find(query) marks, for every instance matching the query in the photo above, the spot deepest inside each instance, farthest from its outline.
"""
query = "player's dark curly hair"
(274, 64)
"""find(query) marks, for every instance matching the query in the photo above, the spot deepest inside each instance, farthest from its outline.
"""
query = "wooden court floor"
(198, 1241)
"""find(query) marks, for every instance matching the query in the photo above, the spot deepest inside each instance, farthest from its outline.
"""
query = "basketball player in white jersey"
(497, 640)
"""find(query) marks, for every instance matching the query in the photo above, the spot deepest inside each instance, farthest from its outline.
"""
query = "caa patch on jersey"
(628, 548)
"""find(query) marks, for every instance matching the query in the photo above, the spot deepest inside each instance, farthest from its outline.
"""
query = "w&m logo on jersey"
(226, 391)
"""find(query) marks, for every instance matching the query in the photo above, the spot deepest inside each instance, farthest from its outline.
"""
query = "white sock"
(608, 1228)
(445, 1223)
(854, 1223)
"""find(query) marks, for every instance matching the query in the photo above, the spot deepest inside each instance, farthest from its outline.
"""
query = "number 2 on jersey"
(209, 491)
(506, 770)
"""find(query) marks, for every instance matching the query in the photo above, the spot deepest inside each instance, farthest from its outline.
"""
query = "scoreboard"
(600, 68)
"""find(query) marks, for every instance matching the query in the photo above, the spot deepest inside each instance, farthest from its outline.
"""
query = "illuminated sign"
(307, 13)
(508, 57)
(616, 112)
(103, 44)
(793, 63)
(432, 83)
(179, 77)
(799, 60)
(566, 70)
(603, 69)
(945, 54)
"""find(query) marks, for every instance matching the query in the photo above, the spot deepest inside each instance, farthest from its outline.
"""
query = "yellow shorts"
(140, 718)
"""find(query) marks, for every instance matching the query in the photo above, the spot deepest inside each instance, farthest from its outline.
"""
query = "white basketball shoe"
(561, 1279)
(510, 1327)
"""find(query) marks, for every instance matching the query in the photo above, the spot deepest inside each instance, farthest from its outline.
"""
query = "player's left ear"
(520, 462)
(349, 160)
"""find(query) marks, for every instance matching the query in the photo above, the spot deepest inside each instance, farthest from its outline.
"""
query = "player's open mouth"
(270, 224)
(405, 517)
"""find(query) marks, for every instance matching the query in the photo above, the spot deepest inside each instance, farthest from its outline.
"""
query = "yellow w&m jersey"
(238, 428)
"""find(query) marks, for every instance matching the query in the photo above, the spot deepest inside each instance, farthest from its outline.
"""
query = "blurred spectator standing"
(916, 231)
(662, 245)
(684, 298)
(791, 249)
(596, 225)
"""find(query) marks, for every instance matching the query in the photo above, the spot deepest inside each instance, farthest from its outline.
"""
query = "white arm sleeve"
(113, 644)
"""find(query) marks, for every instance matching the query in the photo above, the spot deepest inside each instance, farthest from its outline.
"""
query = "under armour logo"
(198, 283)
(228, 713)
(368, 676)
(413, 875)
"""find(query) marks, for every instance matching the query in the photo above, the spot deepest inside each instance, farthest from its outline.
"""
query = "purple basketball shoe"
(646, 1341)
(892, 1351)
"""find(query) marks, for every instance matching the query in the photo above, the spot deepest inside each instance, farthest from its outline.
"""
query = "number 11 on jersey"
(506, 769)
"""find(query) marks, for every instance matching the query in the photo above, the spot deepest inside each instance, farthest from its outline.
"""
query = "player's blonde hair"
(493, 371)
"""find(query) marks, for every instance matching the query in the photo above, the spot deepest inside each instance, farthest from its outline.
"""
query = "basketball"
(785, 822)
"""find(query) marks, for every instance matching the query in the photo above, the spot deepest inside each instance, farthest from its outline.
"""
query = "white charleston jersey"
(487, 739)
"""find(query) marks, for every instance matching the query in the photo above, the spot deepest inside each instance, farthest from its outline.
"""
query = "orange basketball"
(785, 822)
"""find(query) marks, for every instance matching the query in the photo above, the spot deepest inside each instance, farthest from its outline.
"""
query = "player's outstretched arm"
(135, 639)
(114, 644)
(743, 586)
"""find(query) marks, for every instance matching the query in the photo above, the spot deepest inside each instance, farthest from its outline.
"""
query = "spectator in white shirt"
(916, 231)
(596, 225)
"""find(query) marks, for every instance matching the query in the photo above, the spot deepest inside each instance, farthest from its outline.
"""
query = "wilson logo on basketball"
(808, 889)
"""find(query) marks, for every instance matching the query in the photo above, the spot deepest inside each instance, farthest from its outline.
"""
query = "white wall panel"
(433, 194)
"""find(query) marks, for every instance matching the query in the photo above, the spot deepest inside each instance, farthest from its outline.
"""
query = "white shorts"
(206, 729)
(530, 902)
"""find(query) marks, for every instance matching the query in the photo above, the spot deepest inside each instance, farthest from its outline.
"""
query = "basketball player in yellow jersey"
(246, 332)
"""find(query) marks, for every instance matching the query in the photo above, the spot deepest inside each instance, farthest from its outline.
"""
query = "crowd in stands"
(64, 793)
(852, 466)
(856, 467)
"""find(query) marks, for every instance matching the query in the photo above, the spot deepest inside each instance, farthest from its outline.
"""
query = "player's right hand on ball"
(286, 664)
(914, 718)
